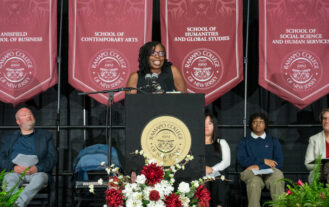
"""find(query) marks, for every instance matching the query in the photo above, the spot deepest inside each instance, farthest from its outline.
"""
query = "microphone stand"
(108, 121)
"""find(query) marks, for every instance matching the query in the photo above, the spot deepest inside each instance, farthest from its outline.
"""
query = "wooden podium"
(187, 112)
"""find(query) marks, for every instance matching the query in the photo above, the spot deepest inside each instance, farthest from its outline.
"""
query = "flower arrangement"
(8, 199)
(154, 187)
(303, 194)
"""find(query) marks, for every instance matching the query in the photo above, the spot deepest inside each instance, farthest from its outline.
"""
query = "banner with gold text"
(104, 41)
(204, 39)
(28, 48)
(294, 49)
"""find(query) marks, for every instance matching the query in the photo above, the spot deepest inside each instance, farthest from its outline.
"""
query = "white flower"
(100, 181)
(195, 183)
(189, 157)
(222, 177)
(172, 180)
(158, 203)
(134, 203)
(91, 189)
(173, 169)
(130, 188)
(164, 188)
(102, 163)
(185, 201)
(108, 170)
(137, 196)
(152, 161)
(184, 187)
(115, 170)
(141, 179)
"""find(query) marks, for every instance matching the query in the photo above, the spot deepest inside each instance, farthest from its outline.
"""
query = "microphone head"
(157, 87)
(155, 76)
(148, 76)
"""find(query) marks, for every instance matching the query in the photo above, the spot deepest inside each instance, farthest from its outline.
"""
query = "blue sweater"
(253, 151)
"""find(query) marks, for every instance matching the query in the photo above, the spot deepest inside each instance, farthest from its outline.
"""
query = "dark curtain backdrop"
(292, 126)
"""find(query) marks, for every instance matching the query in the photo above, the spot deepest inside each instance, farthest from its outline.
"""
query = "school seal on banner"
(301, 69)
(16, 69)
(166, 139)
(203, 68)
(109, 69)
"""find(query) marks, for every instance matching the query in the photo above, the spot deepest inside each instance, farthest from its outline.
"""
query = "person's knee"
(277, 175)
(254, 185)
(11, 178)
(40, 178)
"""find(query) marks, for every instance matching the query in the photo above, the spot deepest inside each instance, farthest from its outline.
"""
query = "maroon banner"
(28, 48)
(294, 49)
(105, 37)
(204, 39)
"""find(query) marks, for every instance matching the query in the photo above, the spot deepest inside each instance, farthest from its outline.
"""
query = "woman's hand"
(209, 170)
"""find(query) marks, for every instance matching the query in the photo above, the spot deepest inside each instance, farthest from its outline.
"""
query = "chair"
(46, 196)
(43, 198)
(265, 195)
(87, 170)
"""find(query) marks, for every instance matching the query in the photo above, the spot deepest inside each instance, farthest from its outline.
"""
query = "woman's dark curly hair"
(255, 116)
(144, 53)
(215, 134)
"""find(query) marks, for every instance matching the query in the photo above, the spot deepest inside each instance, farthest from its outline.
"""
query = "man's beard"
(28, 126)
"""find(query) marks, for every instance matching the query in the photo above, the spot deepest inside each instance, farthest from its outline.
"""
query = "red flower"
(172, 201)
(153, 174)
(299, 182)
(114, 183)
(154, 195)
(203, 195)
(114, 198)
(289, 192)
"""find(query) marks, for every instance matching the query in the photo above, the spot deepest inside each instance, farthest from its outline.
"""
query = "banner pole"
(59, 63)
(245, 61)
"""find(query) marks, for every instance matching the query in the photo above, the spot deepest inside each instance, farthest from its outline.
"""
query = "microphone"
(148, 79)
(155, 85)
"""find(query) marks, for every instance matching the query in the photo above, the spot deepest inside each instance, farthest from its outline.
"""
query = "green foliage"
(8, 199)
(302, 194)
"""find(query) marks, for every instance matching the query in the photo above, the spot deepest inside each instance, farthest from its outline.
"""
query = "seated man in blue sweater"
(38, 149)
(260, 151)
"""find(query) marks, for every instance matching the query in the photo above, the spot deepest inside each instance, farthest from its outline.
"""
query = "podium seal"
(166, 139)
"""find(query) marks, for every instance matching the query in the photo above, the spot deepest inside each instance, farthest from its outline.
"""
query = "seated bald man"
(27, 142)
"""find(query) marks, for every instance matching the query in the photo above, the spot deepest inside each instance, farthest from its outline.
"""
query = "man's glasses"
(160, 53)
(258, 122)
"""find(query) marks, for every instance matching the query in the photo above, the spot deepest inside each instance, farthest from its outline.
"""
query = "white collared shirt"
(255, 136)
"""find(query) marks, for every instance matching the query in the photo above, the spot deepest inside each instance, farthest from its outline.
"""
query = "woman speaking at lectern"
(155, 72)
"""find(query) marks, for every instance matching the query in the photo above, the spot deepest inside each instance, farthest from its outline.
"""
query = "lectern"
(167, 125)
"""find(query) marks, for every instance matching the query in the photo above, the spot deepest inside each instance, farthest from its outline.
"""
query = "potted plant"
(303, 194)
(8, 199)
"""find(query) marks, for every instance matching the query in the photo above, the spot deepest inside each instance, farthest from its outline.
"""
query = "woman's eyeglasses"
(160, 53)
